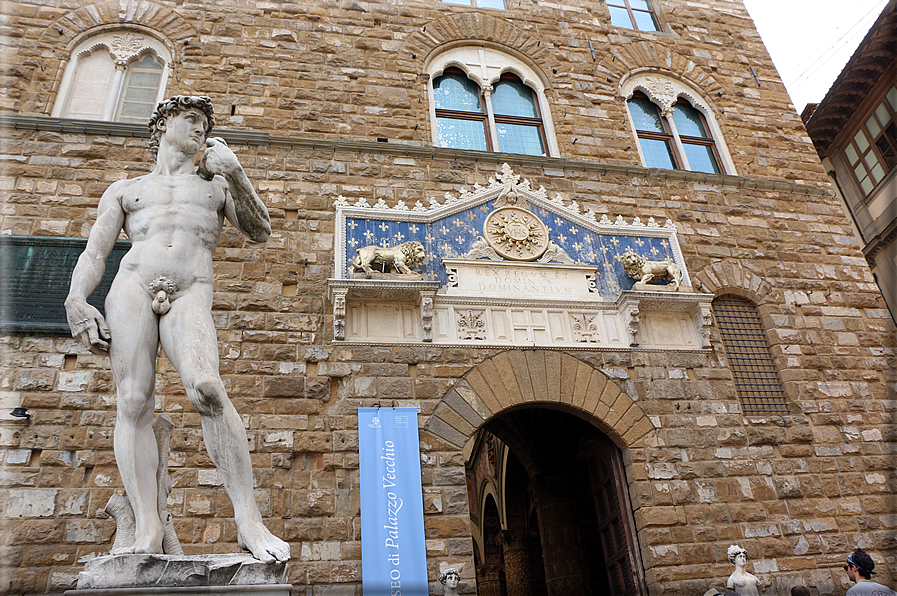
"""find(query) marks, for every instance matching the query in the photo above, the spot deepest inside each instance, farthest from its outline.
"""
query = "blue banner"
(393, 550)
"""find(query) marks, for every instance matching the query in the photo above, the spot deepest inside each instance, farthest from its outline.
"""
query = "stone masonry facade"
(317, 84)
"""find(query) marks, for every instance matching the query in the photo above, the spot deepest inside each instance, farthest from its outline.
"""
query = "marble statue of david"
(163, 293)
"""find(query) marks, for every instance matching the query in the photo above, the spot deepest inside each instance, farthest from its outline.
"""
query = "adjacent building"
(854, 132)
(584, 429)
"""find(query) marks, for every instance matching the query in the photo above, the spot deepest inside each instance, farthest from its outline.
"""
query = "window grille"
(750, 360)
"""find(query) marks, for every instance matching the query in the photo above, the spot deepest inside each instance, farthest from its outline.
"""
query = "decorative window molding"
(634, 14)
(115, 76)
(471, 84)
(750, 360)
(699, 141)
(871, 152)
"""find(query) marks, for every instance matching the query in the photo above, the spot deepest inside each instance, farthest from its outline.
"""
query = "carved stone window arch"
(674, 101)
(480, 71)
(117, 75)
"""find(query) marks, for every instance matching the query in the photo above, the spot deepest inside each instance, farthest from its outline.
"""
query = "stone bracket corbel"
(630, 312)
(426, 315)
(338, 298)
(702, 315)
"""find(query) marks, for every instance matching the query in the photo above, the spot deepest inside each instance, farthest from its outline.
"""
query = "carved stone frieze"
(339, 312)
(403, 257)
(471, 325)
(703, 319)
(426, 315)
(631, 319)
(585, 328)
(481, 250)
(555, 254)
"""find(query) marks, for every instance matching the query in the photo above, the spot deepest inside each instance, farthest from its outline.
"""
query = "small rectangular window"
(497, 4)
(633, 14)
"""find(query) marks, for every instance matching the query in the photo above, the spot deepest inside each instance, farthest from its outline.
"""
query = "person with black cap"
(859, 569)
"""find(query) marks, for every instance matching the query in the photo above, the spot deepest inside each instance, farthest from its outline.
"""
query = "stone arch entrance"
(546, 378)
(550, 432)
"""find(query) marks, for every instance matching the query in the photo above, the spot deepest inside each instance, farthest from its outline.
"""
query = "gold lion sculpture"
(403, 257)
(640, 268)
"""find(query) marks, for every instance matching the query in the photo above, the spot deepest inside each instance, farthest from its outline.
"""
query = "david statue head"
(162, 294)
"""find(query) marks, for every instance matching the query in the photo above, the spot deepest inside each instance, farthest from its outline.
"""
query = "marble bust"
(741, 581)
(451, 579)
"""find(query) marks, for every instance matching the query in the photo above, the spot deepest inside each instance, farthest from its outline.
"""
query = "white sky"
(810, 41)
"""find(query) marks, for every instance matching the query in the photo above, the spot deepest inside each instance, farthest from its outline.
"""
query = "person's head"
(859, 563)
(450, 578)
(800, 591)
(170, 108)
(734, 552)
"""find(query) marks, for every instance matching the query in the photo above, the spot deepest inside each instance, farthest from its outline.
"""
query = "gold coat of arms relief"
(516, 234)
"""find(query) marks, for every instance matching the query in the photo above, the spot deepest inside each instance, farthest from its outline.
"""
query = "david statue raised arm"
(163, 292)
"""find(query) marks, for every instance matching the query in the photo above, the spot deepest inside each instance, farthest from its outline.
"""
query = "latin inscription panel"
(503, 280)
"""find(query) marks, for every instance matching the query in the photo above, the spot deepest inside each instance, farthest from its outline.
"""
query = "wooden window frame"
(489, 118)
(671, 135)
(473, 4)
(536, 122)
(481, 116)
(653, 12)
(861, 119)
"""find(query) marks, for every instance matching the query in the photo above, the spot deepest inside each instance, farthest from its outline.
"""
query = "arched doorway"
(545, 435)
(562, 507)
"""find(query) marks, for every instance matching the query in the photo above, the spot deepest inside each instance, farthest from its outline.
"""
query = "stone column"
(489, 580)
(516, 546)
(555, 508)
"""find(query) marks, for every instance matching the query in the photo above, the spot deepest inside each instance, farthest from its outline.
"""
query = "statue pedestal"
(272, 590)
(233, 574)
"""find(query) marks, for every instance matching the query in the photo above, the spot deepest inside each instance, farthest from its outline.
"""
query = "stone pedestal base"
(179, 574)
(649, 287)
(271, 590)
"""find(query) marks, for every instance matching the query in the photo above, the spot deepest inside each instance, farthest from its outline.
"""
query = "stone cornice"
(244, 137)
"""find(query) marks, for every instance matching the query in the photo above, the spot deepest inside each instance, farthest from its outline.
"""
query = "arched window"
(680, 142)
(674, 129)
(750, 359)
(117, 76)
(501, 108)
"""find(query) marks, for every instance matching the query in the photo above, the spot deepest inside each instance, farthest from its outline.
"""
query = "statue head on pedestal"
(451, 579)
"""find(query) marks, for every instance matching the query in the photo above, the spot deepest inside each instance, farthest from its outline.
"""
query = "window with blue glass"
(633, 14)
(505, 118)
(678, 140)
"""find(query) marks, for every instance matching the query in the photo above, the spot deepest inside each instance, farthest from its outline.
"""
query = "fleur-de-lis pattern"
(454, 233)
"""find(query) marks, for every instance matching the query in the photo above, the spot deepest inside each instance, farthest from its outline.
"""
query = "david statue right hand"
(88, 324)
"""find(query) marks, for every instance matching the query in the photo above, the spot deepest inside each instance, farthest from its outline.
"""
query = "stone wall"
(799, 492)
